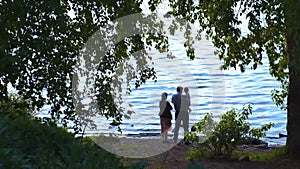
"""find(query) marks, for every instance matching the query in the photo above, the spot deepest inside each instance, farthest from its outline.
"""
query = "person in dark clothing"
(165, 116)
(176, 100)
(181, 104)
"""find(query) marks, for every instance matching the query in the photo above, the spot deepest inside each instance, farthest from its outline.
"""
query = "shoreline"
(272, 141)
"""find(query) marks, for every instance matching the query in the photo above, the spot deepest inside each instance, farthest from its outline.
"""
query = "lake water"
(211, 90)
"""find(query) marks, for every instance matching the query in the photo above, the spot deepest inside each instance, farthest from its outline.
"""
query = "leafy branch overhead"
(40, 45)
(241, 45)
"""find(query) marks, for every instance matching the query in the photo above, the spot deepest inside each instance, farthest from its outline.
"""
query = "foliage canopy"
(40, 44)
(240, 48)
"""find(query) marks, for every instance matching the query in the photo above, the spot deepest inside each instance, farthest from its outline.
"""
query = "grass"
(198, 153)
(204, 153)
(261, 156)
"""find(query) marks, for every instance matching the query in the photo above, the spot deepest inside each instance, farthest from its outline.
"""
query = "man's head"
(179, 89)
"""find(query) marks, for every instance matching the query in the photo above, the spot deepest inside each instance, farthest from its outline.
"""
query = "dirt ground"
(175, 158)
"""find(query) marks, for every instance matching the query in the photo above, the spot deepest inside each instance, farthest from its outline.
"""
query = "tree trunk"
(292, 19)
(293, 123)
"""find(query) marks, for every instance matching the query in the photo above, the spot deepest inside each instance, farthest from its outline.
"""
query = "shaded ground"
(175, 158)
(133, 147)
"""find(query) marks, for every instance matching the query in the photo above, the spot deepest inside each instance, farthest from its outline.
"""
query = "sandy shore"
(134, 147)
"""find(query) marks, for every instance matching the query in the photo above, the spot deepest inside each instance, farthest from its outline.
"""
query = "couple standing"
(181, 102)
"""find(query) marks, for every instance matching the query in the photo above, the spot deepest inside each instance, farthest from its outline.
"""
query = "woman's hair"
(165, 95)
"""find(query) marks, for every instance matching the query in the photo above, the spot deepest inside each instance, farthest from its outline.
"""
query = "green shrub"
(198, 153)
(29, 144)
(204, 129)
(15, 106)
(232, 130)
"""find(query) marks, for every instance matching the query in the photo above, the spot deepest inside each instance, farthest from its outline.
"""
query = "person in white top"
(186, 92)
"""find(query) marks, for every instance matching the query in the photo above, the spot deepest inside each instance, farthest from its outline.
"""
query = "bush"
(232, 130)
(29, 144)
(14, 107)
